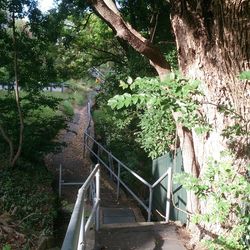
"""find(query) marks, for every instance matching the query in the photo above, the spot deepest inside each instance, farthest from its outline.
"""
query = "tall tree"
(15, 10)
(25, 61)
(212, 39)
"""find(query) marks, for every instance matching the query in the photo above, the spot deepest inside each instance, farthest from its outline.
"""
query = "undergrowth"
(27, 206)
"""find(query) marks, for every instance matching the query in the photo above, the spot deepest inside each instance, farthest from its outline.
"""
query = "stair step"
(143, 236)
(131, 225)
(117, 215)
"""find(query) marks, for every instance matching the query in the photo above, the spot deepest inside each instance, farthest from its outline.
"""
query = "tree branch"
(153, 22)
(103, 51)
(135, 39)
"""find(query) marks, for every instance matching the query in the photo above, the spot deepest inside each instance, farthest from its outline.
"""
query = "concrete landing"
(145, 237)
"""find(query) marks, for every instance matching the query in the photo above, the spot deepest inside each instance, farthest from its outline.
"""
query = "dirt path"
(76, 167)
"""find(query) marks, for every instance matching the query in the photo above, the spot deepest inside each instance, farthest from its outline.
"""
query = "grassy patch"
(68, 108)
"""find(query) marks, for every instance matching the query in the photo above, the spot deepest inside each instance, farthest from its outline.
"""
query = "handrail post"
(168, 194)
(83, 243)
(60, 181)
(84, 144)
(110, 165)
(150, 203)
(98, 153)
(118, 181)
(91, 187)
(97, 219)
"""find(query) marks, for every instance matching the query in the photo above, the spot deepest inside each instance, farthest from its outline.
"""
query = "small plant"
(6, 247)
(226, 195)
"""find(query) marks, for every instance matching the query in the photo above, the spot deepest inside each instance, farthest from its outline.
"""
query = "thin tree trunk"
(17, 97)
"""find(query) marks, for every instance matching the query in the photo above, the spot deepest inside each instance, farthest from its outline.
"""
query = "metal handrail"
(120, 165)
(76, 233)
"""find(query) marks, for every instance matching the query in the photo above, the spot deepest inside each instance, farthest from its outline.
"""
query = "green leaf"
(245, 75)
(123, 85)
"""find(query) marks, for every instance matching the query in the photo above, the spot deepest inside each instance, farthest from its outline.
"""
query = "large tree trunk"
(213, 42)
(106, 9)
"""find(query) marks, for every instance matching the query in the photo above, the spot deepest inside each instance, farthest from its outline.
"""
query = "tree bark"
(213, 42)
(107, 11)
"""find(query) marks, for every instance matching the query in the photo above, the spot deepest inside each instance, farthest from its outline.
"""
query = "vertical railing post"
(84, 144)
(97, 219)
(110, 165)
(150, 203)
(60, 181)
(168, 202)
(118, 181)
(98, 153)
(82, 235)
(91, 187)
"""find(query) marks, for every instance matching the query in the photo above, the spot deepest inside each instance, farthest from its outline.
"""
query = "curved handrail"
(76, 233)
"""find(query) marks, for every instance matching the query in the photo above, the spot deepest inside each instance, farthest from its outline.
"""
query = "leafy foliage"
(26, 196)
(42, 119)
(156, 101)
(225, 193)
(85, 43)
(36, 55)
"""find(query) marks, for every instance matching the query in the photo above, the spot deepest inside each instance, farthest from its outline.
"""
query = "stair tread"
(141, 237)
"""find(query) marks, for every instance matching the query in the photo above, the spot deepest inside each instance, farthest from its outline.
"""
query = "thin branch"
(87, 21)
(105, 59)
(104, 51)
(229, 110)
(17, 97)
(153, 30)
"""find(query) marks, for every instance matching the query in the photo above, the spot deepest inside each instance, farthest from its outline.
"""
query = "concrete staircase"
(123, 227)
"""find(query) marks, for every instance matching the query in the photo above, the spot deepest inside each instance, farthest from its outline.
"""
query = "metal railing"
(63, 183)
(90, 142)
(76, 233)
